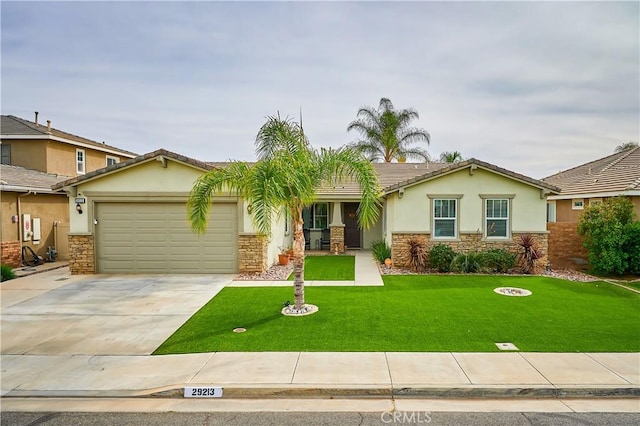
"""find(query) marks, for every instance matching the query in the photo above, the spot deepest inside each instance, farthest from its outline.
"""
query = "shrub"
(416, 253)
(632, 247)
(467, 263)
(605, 228)
(530, 253)
(7, 273)
(497, 260)
(381, 251)
(440, 257)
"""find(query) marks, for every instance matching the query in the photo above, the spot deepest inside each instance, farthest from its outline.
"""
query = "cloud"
(534, 87)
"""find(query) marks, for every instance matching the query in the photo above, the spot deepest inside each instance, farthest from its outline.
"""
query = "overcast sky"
(533, 87)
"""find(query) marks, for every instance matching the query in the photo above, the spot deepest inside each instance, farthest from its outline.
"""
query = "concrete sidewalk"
(41, 358)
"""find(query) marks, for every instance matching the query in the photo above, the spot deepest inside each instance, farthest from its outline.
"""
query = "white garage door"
(154, 238)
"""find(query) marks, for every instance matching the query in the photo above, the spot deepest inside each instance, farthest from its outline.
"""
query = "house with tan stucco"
(134, 217)
(34, 157)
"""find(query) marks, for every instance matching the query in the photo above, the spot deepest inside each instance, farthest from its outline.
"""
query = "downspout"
(30, 192)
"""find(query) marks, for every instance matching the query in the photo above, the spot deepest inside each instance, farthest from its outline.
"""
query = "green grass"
(329, 268)
(420, 313)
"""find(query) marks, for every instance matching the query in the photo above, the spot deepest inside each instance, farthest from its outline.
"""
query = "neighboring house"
(591, 183)
(135, 220)
(34, 157)
(28, 192)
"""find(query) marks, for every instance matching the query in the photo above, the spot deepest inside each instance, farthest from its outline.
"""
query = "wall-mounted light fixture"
(79, 202)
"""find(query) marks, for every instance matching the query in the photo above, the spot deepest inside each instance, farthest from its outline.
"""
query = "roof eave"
(97, 147)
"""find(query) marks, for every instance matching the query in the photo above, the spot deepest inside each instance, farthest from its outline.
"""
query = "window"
(445, 218)
(551, 211)
(595, 201)
(112, 160)
(577, 204)
(497, 218)
(80, 161)
(6, 154)
(316, 217)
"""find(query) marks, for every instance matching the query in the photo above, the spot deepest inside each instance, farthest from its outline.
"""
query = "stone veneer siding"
(565, 246)
(337, 237)
(468, 242)
(252, 253)
(11, 253)
(81, 255)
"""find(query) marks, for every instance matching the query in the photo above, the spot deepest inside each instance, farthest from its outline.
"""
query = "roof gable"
(471, 164)
(161, 155)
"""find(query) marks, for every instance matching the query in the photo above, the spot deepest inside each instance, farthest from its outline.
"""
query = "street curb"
(354, 392)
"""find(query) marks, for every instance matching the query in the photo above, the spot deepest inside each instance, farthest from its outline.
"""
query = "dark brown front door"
(351, 229)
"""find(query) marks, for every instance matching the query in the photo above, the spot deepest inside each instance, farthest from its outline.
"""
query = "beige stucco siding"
(30, 154)
(49, 208)
(412, 212)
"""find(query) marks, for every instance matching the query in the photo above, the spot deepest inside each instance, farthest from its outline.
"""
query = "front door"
(351, 229)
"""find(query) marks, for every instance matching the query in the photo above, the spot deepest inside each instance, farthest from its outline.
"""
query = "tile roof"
(614, 173)
(391, 176)
(14, 178)
(16, 126)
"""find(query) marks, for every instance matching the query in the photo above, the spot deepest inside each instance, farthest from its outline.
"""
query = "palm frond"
(231, 179)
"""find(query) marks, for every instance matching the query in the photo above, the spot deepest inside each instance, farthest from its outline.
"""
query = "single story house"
(131, 216)
(587, 184)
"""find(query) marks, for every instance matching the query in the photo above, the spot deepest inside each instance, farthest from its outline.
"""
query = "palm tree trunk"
(298, 264)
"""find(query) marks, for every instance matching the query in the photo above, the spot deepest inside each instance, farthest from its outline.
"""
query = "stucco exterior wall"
(565, 212)
(49, 208)
(412, 212)
(30, 154)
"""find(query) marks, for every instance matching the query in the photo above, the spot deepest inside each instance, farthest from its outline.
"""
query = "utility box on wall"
(36, 230)
(26, 227)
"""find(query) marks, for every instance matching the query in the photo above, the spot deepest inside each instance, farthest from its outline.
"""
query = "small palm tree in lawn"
(387, 135)
(287, 175)
(451, 157)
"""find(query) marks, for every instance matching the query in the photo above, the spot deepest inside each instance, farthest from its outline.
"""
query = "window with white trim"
(595, 201)
(577, 204)
(496, 218)
(80, 161)
(445, 218)
(112, 160)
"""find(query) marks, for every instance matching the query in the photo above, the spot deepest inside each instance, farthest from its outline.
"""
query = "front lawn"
(441, 313)
(329, 268)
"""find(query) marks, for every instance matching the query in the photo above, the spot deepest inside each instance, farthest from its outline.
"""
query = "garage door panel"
(156, 238)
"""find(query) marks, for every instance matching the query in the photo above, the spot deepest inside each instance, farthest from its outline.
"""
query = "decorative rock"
(306, 309)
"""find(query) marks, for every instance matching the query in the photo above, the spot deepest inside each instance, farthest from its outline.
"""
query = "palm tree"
(386, 134)
(451, 157)
(625, 146)
(287, 175)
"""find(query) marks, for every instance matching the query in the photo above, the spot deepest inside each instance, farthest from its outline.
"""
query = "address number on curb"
(203, 392)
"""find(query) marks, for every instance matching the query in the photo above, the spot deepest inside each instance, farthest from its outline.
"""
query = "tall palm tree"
(386, 134)
(287, 175)
(625, 146)
(451, 157)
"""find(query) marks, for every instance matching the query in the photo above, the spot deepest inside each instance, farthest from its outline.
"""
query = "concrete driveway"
(54, 313)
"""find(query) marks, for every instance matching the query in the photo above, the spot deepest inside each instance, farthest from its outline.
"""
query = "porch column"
(336, 228)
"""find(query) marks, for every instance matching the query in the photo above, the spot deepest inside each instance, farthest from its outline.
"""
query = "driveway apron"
(55, 314)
